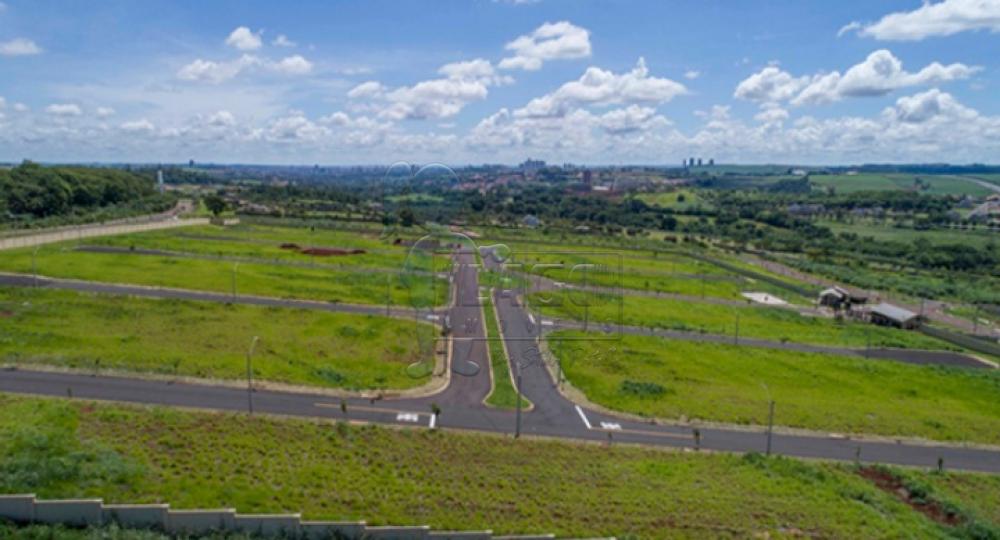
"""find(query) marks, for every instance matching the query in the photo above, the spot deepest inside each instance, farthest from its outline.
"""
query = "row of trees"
(31, 192)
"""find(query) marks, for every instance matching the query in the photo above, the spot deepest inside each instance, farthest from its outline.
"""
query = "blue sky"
(472, 81)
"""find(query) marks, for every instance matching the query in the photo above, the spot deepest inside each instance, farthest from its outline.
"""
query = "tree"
(215, 204)
(406, 217)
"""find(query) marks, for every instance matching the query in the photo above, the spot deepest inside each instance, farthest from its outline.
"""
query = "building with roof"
(889, 315)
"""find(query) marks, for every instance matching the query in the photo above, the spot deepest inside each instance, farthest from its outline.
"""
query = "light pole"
(235, 267)
(517, 427)
(770, 417)
(34, 267)
(253, 345)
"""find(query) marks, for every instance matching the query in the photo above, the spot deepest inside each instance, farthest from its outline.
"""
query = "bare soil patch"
(885, 481)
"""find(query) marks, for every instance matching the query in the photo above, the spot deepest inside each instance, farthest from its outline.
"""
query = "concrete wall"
(329, 530)
(75, 512)
(38, 238)
(396, 533)
(284, 525)
(17, 508)
(200, 521)
(87, 512)
(139, 516)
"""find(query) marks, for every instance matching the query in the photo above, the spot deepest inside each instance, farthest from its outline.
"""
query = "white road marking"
(433, 421)
(613, 426)
(546, 323)
(407, 417)
(583, 417)
(432, 317)
(531, 318)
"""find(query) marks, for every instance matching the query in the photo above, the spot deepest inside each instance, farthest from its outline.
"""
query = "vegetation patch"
(726, 383)
(455, 481)
(208, 339)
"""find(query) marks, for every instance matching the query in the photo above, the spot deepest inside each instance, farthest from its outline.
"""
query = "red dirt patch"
(290, 246)
(6, 314)
(330, 252)
(892, 485)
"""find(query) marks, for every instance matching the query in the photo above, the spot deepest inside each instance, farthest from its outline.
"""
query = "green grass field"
(323, 284)
(777, 324)
(206, 339)
(938, 184)
(681, 199)
(864, 228)
(503, 395)
(672, 379)
(450, 481)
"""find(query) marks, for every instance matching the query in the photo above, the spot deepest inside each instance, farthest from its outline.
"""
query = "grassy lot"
(448, 480)
(671, 379)
(303, 282)
(207, 339)
(938, 184)
(863, 228)
(778, 324)
(503, 395)
(681, 199)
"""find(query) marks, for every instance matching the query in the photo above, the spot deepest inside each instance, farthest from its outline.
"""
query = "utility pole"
(517, 428)
(868, 341)
(235, 267)
(34, 267)
(253, 345)
(736, 335)
(975, 321)
(770, 425)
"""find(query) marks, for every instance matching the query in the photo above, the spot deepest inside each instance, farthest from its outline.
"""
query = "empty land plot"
(776, 324)
(451, 481)
(207, 339)
(931, 184)
(208, 274)
(672, 379)
(326, 247)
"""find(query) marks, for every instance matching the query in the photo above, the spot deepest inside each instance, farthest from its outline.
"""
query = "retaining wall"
(26, 509)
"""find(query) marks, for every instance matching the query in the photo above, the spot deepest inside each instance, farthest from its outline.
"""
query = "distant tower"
(711, 162)
(190, 163)
(159, 179)
(691, 161)
(699, 162)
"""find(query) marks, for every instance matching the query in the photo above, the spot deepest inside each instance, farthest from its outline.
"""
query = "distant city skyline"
(492, 81)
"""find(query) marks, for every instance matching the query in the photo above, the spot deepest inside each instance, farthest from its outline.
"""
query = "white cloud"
(295, 127)
(292, 65)
(243, 39)
(600, 87)
(463, 83)
(367, 89)
(3, 103)
(64, 109)
(692, 74)
(222, 118)
(218, 72)
(770, 84)
(19, 47)
(928, 106)
(20, 107)
(138, 126)
(283, 41)
(879, 74)
(550, 41)
(104, 112)
(3, 7)
(474, 70)
(771, 114)
(933, 19)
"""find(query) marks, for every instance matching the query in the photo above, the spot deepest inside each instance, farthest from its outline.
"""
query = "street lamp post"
(517, 428)
(235, 267)
(253, 345)
(770, 417)
(34, 267)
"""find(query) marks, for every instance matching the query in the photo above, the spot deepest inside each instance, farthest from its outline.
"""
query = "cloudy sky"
(474, 81)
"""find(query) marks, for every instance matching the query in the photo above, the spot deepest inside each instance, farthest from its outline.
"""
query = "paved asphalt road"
(461, 401)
